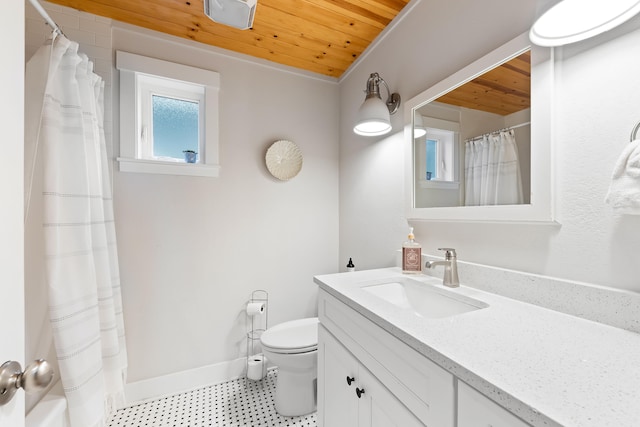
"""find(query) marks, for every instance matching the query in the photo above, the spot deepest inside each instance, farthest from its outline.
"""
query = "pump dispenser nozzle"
(350, 266)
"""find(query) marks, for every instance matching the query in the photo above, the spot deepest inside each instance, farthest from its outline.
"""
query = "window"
(168, 117)
(176, 125)
(436, 153)
(439, 150)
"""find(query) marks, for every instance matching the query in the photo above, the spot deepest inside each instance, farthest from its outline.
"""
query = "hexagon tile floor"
(230, 404)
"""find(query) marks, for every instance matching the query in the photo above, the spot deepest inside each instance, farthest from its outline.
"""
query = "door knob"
(350, 380)
(359, 392)
(36, 376)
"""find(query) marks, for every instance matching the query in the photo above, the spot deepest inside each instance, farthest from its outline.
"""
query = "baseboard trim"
(179, 382)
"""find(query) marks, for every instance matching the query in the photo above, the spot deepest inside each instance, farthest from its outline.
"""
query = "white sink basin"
(421, 298)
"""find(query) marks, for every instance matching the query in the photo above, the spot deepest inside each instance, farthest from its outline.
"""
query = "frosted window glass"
(175, 126)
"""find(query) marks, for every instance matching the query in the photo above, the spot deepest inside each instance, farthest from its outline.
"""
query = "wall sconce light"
(374, 115)
(571, 21)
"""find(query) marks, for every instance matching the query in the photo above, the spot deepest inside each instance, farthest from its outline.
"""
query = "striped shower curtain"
(64, 121)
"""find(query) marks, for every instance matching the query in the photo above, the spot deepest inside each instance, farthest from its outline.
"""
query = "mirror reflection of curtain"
(492, 170)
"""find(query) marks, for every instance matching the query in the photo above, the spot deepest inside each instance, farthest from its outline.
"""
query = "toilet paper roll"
(256, 367)
(255, 308)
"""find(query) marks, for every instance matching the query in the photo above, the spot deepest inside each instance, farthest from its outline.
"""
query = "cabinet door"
(378, 407)
(337, 400)
(475, 410)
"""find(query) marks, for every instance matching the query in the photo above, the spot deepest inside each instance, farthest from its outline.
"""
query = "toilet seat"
(293, 337)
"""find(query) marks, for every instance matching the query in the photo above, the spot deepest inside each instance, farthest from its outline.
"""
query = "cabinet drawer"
(422, 386)
(475, 410)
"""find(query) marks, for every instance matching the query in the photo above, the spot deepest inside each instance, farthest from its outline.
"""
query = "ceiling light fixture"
(571, 21)
(374, 115)
(234, 13)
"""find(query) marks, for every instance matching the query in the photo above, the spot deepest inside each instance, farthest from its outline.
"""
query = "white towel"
(624, 191)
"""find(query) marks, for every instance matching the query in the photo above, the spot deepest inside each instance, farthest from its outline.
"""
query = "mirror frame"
(541, 210)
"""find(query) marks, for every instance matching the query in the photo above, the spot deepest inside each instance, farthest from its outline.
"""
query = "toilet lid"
(300, 335)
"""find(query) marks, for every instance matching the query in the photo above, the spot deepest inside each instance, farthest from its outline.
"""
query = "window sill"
(168, 168)
(444, 185)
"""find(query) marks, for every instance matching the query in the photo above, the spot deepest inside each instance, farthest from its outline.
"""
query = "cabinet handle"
(359, 392)
(350, 380)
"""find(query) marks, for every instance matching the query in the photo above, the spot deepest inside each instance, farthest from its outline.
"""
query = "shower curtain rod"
(496, 131)
(46, 16)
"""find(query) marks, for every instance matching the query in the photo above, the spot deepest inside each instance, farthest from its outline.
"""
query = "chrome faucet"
(450, 263)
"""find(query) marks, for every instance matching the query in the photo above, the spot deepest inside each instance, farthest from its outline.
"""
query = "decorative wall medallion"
(284, 159)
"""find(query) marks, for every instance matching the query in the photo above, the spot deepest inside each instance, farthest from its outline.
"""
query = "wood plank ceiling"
(322, 36)
(503, 90)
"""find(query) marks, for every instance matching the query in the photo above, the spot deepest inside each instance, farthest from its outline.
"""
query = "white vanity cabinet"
(401, 387)
(475, 410)
(336, 393)
(352, 396)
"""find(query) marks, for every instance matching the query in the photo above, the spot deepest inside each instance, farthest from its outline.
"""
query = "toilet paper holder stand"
(257, 324)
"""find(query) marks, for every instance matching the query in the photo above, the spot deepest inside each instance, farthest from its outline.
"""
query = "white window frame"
(140, 77)
(447, 134)
(445, 149)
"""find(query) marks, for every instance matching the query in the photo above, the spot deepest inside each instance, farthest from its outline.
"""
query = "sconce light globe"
(419, 132)
(374, 115)
(373, 118)
(418, 126)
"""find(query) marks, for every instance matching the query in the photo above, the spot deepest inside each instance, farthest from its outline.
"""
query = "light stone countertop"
(547, 367)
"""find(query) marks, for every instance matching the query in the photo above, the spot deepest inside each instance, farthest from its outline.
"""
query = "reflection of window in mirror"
(439, 149)
(431, 147)
(436, 154)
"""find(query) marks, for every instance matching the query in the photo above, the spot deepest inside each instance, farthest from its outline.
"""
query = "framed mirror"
(478, 143)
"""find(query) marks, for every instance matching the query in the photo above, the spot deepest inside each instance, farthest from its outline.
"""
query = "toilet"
(293, 347)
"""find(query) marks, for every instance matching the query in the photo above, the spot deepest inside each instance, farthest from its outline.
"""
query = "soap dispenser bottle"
(411, 255)
(350, 266)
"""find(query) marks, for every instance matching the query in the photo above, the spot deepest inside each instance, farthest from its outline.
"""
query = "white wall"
(596, 107)
(192, 249)
(431, 42)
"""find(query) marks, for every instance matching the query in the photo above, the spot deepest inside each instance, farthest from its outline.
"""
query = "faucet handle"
(448, 252)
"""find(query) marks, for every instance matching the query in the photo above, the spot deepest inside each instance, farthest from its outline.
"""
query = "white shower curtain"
(64, 129)
(492, 170)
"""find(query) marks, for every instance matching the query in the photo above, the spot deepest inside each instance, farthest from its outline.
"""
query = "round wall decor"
(284, 159)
